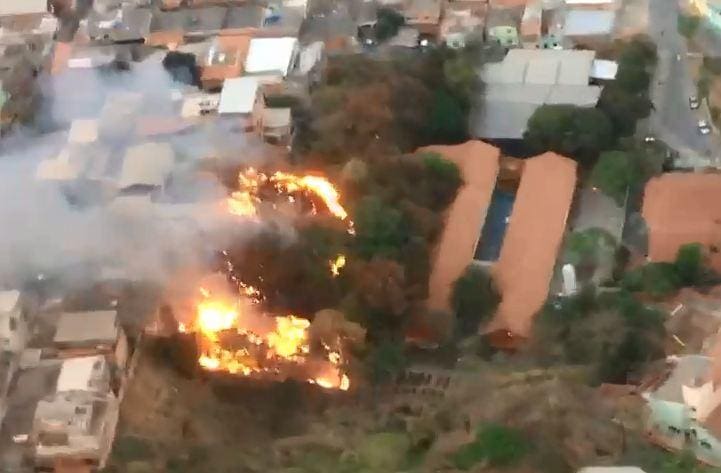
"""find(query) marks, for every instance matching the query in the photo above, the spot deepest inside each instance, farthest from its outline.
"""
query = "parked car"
(693, 102)
(649, 139)
(703, 127)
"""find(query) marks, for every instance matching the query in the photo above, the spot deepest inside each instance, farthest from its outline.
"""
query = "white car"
(693, 102)
(703, 127)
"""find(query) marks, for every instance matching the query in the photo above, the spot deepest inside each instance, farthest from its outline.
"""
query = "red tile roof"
(478, 163)
(533, 237)
(682, 208)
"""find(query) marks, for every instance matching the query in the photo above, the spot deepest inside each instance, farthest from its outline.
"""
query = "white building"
(13, 322)
(78, 421)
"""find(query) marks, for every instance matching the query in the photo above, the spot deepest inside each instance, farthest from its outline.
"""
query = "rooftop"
(689, 370)
(23, 7)
(147, 164)
(239, 95)
(83, 131)
(533, 237)
(478, 163)
(79, 374)
(271, 55)
(93, 326)
(589, 22)
(9, 300)
(677, 211)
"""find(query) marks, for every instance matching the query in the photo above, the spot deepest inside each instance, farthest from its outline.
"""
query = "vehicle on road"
(649, 139)
(693, 102)
(703, 127)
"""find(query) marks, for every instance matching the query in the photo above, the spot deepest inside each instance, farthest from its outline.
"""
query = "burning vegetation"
(234, 333)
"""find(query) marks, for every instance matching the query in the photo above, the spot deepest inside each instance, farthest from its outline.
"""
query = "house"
(83, 131)
(460, 25)
(684, 411)
(197, 105)
(423, 15)
(124, 25)
(13, 322)
(276, 125)
(225, 59)
(677, 209)
(590, 29)
(23, 7)
(502, 27)
(479, 165)
(241, 96)
(169, 28)
(8, 368)
(530, 247)
(271, 56)
(78, 420)
(91, 333)
(532, 24)
(146, 167)
(526, 79)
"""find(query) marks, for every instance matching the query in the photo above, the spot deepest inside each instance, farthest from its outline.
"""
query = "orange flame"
(337, 264)
(285, 341)
(243, 202)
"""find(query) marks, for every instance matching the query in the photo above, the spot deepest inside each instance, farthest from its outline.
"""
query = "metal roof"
(238, 95)
(589, 22)
(271, 55)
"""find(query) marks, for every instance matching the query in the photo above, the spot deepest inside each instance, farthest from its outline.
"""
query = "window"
(13, 324)
(705, 444)
(81, 410)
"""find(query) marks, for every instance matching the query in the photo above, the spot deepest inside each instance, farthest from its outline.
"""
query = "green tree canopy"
(688, 25)
(380, 229)
(474, 298)
(690, 263)
(578, 133)
(614, 173)
(655, 279)
(495, 444)
(586, 248)
(388, 24)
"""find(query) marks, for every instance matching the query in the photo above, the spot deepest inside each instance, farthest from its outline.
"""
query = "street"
(673, 121)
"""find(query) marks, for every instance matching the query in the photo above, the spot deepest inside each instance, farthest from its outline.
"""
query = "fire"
(260, 345)
(337, 264)
(243, 202)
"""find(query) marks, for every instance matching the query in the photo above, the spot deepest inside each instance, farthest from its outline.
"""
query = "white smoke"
(41, 232)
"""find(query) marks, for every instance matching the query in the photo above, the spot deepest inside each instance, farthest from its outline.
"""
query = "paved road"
(673, 120)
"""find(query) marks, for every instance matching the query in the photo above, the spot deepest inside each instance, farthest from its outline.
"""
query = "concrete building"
(13, 322)
(78, 420)
(146, 167)
(527, 79)
(91, 333)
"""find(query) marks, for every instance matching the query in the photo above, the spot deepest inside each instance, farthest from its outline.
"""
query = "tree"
(614, 173)
(445, 178)
(182, 67)
(447, 122)
(474, 298)
(688, 25)
(624, 109)
(587, 248)
(380, 229)
(655, 279)
(497, 445)
(388, 23)
(385, 361)
(579, 133)
(381, 286)
(689, 264)
(633, 78)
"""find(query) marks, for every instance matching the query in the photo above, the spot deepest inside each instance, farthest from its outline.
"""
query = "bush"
(129, 448)
(655, 279)
(474, 298)
(689, 264)
(498, 445)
